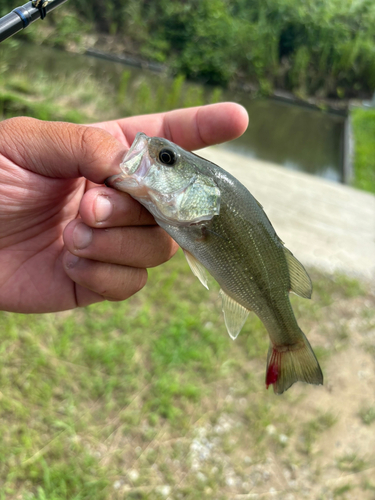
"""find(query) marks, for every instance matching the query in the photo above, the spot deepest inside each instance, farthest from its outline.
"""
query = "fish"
(223, 230)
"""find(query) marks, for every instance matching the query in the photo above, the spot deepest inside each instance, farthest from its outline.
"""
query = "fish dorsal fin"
(235, 315)
(300, 282)
(198, 269)
(259, 204)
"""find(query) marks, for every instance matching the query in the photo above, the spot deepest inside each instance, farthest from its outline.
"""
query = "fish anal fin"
(289, 364)
(235, 315)
(197, 268)
(300, 282)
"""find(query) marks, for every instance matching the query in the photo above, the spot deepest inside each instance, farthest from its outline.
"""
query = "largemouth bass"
(223, 229)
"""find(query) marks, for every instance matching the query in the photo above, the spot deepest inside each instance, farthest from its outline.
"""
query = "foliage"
(324, 48)
(316, 47)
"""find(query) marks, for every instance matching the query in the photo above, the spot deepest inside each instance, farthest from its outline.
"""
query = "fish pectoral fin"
(300, 282)
(235, 315)
(197, 268)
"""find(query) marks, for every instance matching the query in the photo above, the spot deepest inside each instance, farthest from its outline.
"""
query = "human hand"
(65, 239)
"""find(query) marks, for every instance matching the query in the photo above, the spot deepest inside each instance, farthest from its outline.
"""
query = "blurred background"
(150, 398)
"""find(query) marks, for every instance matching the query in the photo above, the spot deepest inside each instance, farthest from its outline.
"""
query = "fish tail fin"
(289, 364)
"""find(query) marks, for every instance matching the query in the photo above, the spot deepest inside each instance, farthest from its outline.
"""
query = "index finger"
(190, 128)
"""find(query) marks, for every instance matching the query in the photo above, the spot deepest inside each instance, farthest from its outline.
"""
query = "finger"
(108, 281)
(146, 246)
(191, 128)
(105, 207)
(85, 297)
(62, 150)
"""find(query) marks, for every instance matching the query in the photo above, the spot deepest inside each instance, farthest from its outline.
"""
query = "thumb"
(59, 149)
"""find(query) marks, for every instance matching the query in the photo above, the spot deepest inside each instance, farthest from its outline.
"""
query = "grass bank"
(363, 122)
(34, 86)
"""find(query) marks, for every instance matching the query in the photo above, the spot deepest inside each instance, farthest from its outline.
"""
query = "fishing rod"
(22, 17)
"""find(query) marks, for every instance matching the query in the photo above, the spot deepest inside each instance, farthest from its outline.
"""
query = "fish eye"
(168, 156)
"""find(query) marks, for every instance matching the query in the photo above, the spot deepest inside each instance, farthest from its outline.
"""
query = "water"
(296, 137)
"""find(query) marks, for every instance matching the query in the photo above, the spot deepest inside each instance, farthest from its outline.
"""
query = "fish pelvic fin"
(197, 268)
(289, 364)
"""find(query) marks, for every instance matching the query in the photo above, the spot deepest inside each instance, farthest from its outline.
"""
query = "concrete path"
(326, 225)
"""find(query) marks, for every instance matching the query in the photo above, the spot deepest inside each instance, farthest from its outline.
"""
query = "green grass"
(46, 102)
(88, 396)
(367, 415)
(363, 121)
(351, 463)
(341, 490)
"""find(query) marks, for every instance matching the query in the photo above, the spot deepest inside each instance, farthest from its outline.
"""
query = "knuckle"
(88, 142)
(163, 251)
(127, 284)
(95, 143)
(134, 280)
(142, 279)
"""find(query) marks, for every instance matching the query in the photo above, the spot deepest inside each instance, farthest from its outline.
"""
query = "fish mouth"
(132, 161)
(134, 166)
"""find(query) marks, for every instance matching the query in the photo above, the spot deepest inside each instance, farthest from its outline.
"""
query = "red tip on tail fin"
(289, 364)
(273, 368)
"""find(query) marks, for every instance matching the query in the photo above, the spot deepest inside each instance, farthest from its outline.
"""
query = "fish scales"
(237, 264)
(223, 229)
